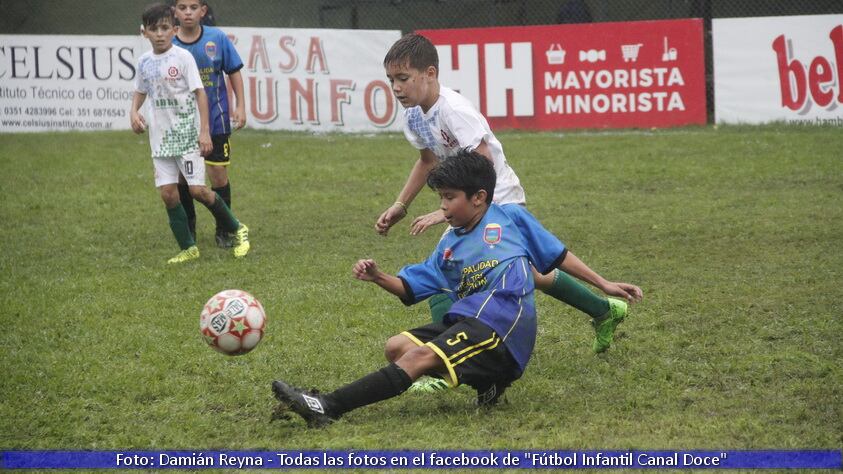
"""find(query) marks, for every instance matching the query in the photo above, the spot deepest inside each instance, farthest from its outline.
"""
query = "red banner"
(596, 75)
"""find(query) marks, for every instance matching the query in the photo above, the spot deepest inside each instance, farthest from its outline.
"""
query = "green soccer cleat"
(186, 255)
(241, 241)
(604, 328)
(428, 385)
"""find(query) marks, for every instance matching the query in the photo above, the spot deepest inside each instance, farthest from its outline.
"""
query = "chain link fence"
(123, 16)
(120, 17)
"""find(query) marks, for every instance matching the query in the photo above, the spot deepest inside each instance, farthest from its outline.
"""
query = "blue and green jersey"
(486, 271)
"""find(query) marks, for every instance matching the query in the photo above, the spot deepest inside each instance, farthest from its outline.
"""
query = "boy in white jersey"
(440, 122)
(178, 130)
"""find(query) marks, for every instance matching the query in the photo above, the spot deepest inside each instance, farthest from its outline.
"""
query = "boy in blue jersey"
(440, 122)
(216, 57)
(482, 264)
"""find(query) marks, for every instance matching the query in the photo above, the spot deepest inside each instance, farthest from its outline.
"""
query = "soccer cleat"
(604, 328)
(241, 241)
(308, 404)
(186, 255)
(428, 385)
(490, 395)
(225, 240)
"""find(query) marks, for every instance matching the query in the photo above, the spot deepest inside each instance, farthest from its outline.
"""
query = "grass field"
(734, 234)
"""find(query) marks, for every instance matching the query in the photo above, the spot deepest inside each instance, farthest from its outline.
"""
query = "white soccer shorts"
(191, 165)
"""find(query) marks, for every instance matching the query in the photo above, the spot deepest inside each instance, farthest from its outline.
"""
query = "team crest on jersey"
(211, 49)
(492, 234)
(448, 254)
(450, 141)
(173, 71)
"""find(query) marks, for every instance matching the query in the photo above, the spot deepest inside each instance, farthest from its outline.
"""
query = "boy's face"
(190, 12)
(160, 35)
(459, 209)
(411, 86)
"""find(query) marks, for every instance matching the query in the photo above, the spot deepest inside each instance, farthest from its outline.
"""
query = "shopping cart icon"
(630, 52)
(555, 54)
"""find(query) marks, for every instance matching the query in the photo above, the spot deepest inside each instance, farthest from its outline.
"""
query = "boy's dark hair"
(467, 171)
(157, 12)
(209, 19)
(414, 49)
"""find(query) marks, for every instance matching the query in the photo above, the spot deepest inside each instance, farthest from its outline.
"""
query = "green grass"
(734, 234)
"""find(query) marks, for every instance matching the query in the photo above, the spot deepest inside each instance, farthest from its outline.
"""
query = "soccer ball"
(232, 322)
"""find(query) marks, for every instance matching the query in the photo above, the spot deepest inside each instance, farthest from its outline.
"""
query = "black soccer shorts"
(473, 353)
(221, 154)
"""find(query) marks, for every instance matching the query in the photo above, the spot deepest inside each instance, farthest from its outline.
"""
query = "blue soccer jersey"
(486, 271)
(215, 56)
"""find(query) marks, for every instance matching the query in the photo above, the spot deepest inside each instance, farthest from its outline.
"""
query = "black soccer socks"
(385, 383)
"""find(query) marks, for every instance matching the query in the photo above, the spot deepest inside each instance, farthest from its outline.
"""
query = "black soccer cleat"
(225, 240)
(308, 404)
(490, 395)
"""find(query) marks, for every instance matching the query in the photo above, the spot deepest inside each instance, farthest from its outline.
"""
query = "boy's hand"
(238, 118)
(627, 291)
(365, 269)
(138, 123)
(206, 146)
(389, 218)
(422, 223)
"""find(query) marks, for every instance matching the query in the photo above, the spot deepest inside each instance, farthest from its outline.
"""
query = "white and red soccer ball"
(232, 322)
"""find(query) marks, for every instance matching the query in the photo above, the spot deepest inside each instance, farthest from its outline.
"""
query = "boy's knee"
(396, 346)
(202, 194)
(544, 282)
(218, 175)
(418, 361)
(170, 195)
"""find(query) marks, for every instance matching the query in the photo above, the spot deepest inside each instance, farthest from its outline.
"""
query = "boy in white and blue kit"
(178, 130)
(482, 264)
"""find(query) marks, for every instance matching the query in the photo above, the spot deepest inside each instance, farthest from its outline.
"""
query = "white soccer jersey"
(453, 123)
(169, 81)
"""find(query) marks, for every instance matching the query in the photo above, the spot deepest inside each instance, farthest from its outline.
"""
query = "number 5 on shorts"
(461, 336)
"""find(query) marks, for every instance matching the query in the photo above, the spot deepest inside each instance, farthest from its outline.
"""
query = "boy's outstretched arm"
(367, 270)
(575, 267)
(415, 182)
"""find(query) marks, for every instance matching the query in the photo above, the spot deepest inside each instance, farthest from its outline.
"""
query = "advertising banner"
(67, 82)
(294, 79)
(601, 75)
(785, 68)
(322, 80)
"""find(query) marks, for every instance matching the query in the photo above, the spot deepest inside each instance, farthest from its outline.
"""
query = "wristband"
(403, 206)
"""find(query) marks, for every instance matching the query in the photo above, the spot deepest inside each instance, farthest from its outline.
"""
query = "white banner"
(324, 80)
(67, 82)
(779, 69)
(295, 79)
